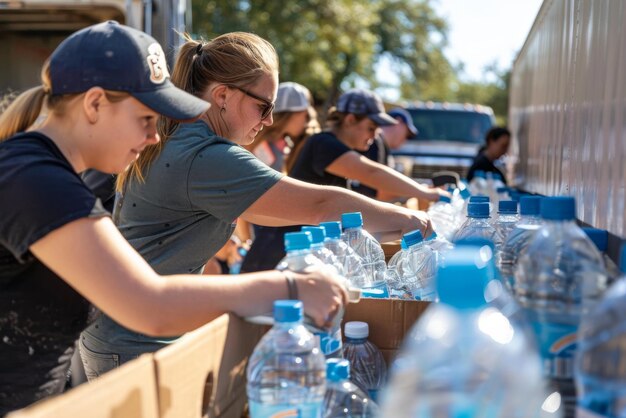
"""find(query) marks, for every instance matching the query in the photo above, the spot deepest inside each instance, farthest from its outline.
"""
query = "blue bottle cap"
(297, 241)
(600, 237)
(559, 208)
(413, 237)
(529, 205)
(463, 278)
(403, 245)
(465, 193)
(479, 199)
(337, 369)
(318, 234)
(432, 236)
(478, 210)
(515, 195)
(288, 311)
(480, 173)
(333, 229)
(507, 207)
(445, 199)
(622, 259)
(352, 220)
(502, 190)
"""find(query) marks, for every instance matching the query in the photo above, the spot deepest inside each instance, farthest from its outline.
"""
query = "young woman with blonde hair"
(182, 196)
(103, 89)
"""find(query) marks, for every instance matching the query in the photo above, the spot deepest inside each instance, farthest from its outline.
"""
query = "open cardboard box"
(389, 321)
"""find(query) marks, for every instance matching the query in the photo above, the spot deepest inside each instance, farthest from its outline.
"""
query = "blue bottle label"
(557, 343)
(585, 413)
(306, 410)
(330, 344)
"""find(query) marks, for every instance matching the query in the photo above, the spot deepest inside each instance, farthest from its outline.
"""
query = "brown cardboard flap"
(188, 371)
(128, 391)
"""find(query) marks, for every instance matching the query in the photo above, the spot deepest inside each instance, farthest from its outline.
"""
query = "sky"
(486, 31)
(480, 33)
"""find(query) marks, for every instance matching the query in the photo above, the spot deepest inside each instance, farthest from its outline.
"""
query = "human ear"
(219, 95)
(93, 100)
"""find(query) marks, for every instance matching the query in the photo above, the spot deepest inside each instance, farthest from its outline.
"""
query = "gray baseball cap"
(292, 97)
(365, 102)
(398, 112)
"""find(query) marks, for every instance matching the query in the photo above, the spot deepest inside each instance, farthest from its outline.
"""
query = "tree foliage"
(328, 44)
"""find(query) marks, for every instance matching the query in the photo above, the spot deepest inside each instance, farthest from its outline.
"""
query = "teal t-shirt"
(192, 195)
(185, 211)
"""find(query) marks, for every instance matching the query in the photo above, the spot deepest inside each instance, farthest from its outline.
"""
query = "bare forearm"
(394, 183)
(185, 302)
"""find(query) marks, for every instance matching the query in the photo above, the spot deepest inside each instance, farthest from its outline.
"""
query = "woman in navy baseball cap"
(102, 90)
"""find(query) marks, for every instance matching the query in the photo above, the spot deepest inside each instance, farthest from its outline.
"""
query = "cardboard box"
(389, 321)
(390, 248)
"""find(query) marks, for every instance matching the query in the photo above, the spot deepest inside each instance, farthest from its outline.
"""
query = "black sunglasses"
(267, 109)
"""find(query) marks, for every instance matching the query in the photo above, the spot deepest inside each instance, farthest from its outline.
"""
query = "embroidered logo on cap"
(157, 64)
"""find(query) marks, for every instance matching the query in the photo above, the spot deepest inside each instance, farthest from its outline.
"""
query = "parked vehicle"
(449, 137)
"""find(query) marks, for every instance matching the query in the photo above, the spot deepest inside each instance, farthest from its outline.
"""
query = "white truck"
(31, 29)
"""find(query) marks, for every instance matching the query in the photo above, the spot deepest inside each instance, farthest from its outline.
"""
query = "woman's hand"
(419, 220)
(322, 292)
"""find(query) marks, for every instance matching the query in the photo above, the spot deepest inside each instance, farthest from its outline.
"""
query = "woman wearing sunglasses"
(182, 197)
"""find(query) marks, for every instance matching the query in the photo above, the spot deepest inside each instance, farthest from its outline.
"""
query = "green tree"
(326, 43)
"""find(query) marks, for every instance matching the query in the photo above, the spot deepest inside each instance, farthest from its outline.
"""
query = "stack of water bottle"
(526, 307)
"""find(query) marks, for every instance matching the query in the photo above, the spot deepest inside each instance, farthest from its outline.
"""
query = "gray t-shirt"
(183, 214)
(193, 193)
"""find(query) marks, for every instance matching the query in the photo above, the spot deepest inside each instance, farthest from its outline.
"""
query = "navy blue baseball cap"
(398, 112)
(365, 102)
(119, 58)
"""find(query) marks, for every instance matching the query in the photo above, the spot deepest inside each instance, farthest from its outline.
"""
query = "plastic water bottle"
(419, 268)
(460, 200)
(298, 259)
(287, 371)
(477, 223)
(464, 358)
(318, 249)
(505, 221)
(440, 246)
(558, 278)
(443, 217)
(600, 376)
(367, 365)
(518, 239)
(600, 237)
(370, 251)
(478, 185)
(343, 398)
(394, 267)
(351, 262)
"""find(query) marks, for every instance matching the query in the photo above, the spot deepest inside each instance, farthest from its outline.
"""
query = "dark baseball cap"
(365, 102)
(120, 58)
(398, 112)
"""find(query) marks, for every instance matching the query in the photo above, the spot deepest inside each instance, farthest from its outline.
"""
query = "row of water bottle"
(289, 376)
(463, 358)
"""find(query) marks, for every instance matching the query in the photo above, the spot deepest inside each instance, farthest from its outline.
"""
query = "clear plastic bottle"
(367, 365)
(477, 223)
(464, 358)
(557, 280)
(419, 266)
(370, 251)
(600, 237)
(352, 266)
(319, 250)
(393, 273)
(287, 371)
(440, 246)
(443, 217)
(518, 239)
(343, 398)
(298, 259)
(505, 221)
(478, 185)
(599, 371)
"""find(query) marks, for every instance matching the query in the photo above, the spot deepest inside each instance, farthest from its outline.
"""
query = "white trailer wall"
(567, 110)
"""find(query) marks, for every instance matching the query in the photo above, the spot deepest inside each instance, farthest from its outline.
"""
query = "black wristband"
(292, 287)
